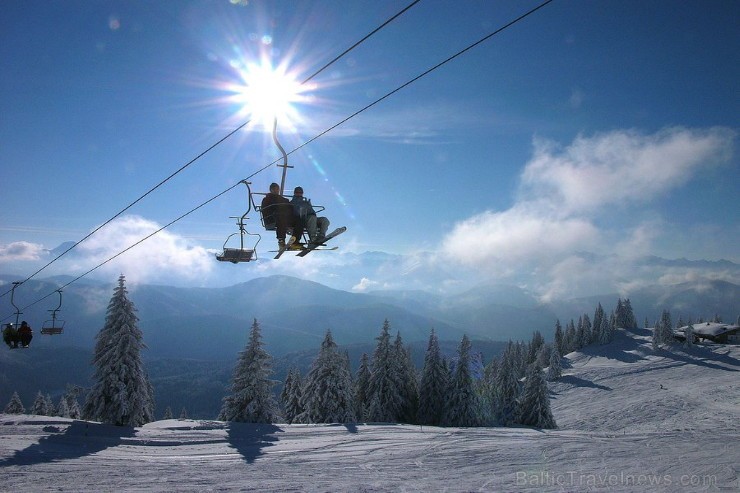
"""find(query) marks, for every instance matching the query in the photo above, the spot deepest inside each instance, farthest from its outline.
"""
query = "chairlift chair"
(54, 326)
(241, 254)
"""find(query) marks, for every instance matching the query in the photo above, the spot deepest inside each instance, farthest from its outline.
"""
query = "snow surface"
(630, 419)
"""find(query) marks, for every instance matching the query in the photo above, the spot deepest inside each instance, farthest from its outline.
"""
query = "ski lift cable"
(133, 245)
(423, 74)
(217, 143)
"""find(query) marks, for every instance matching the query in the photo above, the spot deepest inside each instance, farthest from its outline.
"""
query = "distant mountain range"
(212, 323)
(194, 335)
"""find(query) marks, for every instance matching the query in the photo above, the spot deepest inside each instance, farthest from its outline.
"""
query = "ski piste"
(316, 246)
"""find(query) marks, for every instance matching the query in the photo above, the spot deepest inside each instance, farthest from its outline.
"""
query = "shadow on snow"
(81, 438)
(250, 438)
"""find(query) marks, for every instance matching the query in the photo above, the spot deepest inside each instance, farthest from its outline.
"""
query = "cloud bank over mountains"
(590, 196)
(582, 222)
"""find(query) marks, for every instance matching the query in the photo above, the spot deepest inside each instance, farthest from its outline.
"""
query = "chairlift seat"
(53, 327)
(235, 255)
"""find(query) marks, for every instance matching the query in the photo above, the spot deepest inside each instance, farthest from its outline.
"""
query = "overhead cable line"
(411, 81)
(220, 141)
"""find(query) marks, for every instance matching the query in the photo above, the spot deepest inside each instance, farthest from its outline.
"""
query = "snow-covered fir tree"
(168, 413)
(559, 337)
(606, 331)
(408, 381)
(62, 409)
(571, 339)
(599, 315)
(251, 400)
(534, 403)
(462, 406)
(689, 333)
(49, 405)
(362, 386)
(666, 327)
(506, 388)
(183, 413)
(583, 331)
(39, 406)
(291, 396)
(14, 406)
(520, 359)
(433, 386)
(543, 356)
(663, 331)
(73, 406)
(122, 394)
(327, 389)
(534, 346)
(555, 370)
(385, 392)
(624, 314)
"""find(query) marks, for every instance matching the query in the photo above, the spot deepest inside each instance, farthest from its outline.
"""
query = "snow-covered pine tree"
(73, 407)
(291, 395)
(49, 405)
(689, 336)
(251, 400)
(62, 409)
(584, 331)
(534, 346)
(385, 394)
(362, 385)
(183, 413)
(571, 340)
(580, 337)
(39, 407)
(327, 389)
(434, 385)
(122, 394)
(624, 314)
(462, 406)
(506, 388)
(606, 331)
(168, 413)
(559, 337)
(666, 327)
(15, 406)
(599, 315)
(520, 359)
(408, 381)
(555, 370)
(534, 404)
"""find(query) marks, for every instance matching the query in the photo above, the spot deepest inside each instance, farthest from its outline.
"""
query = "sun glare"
(267, 93)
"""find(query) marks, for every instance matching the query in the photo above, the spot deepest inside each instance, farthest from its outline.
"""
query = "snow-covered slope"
(619, 431)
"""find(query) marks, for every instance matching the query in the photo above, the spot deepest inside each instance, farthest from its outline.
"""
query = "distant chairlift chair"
(54, 326)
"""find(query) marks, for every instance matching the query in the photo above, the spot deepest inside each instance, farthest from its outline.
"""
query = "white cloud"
(365, 284)
(561, 202)
(619, 166)
(22, 251)
(165, 257)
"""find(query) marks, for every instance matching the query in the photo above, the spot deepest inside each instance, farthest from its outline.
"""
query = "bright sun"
(267, 93)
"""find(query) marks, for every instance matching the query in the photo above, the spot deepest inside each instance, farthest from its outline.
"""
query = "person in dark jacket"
(10, 336)
(25, 334)
(276, 210)
(305, 217)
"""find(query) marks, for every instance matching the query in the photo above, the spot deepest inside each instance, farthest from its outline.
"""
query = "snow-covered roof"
(711, 329)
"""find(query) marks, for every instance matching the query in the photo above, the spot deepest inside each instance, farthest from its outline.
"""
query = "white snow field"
(630, 419)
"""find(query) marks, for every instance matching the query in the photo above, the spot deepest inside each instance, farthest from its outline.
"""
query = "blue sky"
(604, 127)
